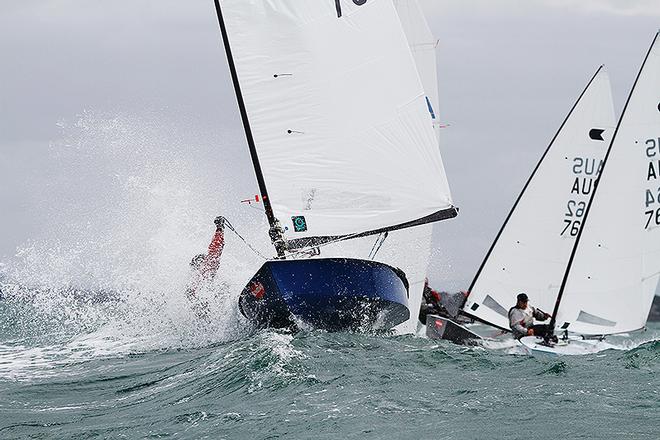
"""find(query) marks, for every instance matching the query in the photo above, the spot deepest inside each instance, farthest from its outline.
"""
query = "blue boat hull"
(334, 294)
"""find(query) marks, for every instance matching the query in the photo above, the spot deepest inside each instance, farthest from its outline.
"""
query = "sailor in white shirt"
(521, 319)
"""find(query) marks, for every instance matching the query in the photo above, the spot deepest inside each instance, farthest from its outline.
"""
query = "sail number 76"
(653, 218)
(575, 210)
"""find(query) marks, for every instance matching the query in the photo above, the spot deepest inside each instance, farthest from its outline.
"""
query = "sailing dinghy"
(341, 136)
(531, 250)
(613, 272)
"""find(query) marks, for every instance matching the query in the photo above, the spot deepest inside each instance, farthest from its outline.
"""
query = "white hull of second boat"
(573, 346)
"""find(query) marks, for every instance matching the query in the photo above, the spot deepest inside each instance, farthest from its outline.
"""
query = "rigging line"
(380, 236)
(252, 248)
(378, 244)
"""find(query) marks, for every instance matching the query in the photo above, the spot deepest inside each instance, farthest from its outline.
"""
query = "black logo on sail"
(338, 5)
(596, 134)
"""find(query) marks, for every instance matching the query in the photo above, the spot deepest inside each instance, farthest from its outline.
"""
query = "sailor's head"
(522, 300)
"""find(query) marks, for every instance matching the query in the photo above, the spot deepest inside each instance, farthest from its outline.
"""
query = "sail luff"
(245, 120)
(523, 192)
(579, 242)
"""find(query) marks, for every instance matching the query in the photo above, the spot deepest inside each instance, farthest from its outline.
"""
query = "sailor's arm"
(539, 314)
(212, 260)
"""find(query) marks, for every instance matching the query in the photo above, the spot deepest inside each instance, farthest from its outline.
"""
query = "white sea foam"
(281, 366)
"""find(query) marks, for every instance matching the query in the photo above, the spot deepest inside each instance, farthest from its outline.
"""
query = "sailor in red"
(211, 262)
(205, 266)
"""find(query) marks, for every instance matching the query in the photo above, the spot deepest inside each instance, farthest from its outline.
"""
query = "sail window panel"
(588, 318)
(344, 138)
(599, 294)
(495, 306)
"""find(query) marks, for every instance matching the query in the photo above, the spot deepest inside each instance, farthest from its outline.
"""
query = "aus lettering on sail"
(586, 170)
(652, 191)
(338, 5)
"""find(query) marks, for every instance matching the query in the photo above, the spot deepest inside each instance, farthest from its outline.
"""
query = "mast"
(272, 221)
(593, 194)
(522, 193)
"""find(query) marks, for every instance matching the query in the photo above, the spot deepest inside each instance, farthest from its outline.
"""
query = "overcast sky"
(100, 96)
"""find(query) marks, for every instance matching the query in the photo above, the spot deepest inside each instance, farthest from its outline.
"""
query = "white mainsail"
(615, 271)
(532, 250)
(338, 115)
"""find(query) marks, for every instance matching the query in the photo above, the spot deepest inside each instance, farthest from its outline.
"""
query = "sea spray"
(129, 201)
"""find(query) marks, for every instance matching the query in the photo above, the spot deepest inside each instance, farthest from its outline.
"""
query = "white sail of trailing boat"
(532, 249)
(337, 121)
(423, 45)
(613, 274)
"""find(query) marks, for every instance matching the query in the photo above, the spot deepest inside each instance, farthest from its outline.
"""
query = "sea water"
(109, 377)
(98, 340)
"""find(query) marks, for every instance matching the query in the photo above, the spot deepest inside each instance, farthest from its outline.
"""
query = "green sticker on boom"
(299, 223)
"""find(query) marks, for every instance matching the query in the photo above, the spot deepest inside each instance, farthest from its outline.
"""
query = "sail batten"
(338, 115)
